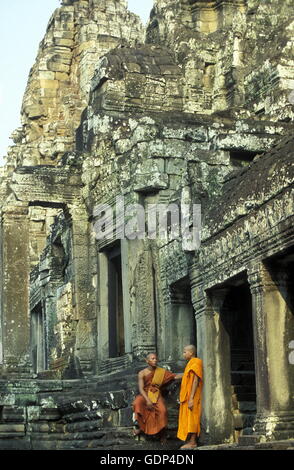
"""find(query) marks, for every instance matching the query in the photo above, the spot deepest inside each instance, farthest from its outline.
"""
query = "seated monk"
(190, 399)
(149, 407)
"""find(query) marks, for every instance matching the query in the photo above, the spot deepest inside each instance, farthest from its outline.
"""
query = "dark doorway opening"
(241, 158)
(236, 315)
(115, 303)
(38, 341)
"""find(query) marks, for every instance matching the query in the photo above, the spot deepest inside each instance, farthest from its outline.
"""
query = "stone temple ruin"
(196, 107)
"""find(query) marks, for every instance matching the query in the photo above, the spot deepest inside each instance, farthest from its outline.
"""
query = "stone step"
(248, 431)
(245, 397)
(218, 447)
(276, 445)
(249, 440)
(103, 439)
(150, 445)
(15, 443)
(67, 436)
(11, 430)
(83, 416)
(46, 427)
(71, 444)
(242, 365)
(112, 433)
(243, 377)
(13, 414)
(243, 388)
(243, 420)
(247, 406)
(73, 403)
(84, 426)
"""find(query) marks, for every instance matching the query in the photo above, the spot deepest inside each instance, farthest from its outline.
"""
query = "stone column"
(125, 254)
(213, 347)
(102, 298)
(15, 272)
(143, 302)
(273, 330)
(83, 290)
(181, 323)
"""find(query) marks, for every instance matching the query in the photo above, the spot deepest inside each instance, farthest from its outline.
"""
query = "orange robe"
(189, 420)
(152, 421)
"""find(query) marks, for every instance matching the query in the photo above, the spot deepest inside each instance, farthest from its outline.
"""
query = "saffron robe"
(152, 421)
(189, 420)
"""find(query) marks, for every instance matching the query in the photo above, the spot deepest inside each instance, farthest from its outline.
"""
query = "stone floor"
(153, 444)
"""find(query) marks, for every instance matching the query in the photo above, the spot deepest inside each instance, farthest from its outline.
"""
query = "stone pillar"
(83, 290)
(15, 272)
(143, 302)
(181, 322)
(125, 254)
(213, 347)
(230, 12)
(102, 297)
(273, 330)
(205, 16)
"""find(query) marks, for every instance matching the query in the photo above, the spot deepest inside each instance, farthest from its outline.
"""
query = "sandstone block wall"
(194, 110)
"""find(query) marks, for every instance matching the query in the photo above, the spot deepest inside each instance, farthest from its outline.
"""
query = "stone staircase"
(73, 414)
(83, 414)
(243, 392)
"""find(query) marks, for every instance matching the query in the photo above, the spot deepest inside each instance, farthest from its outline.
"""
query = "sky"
(22, 26)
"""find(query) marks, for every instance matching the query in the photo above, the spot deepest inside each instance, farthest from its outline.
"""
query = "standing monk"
(190, 399)
(149, 407)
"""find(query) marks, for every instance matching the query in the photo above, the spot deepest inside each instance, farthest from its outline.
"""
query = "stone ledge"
(276, 445)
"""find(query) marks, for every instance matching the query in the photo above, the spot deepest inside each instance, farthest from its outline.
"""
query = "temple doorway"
(115, 303)
(38, 342)
(236, 317)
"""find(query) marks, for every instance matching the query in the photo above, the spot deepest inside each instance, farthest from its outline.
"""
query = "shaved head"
(191, 348)
(150, 354)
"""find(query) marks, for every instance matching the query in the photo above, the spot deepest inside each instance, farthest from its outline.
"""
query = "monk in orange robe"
(190, 399)
(149, 407)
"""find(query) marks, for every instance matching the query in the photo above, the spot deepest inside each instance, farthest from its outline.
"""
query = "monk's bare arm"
(141, 389)
(193, 391)
(179, 376)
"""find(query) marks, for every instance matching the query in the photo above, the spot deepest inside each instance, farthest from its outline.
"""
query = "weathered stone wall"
(72, 415)
(78, 34)
(227, 59)
(248, 239)
(235, 55)
(155, 159)
(199, 114)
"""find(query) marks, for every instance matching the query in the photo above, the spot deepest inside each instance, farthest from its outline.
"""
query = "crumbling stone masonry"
(196, 108)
